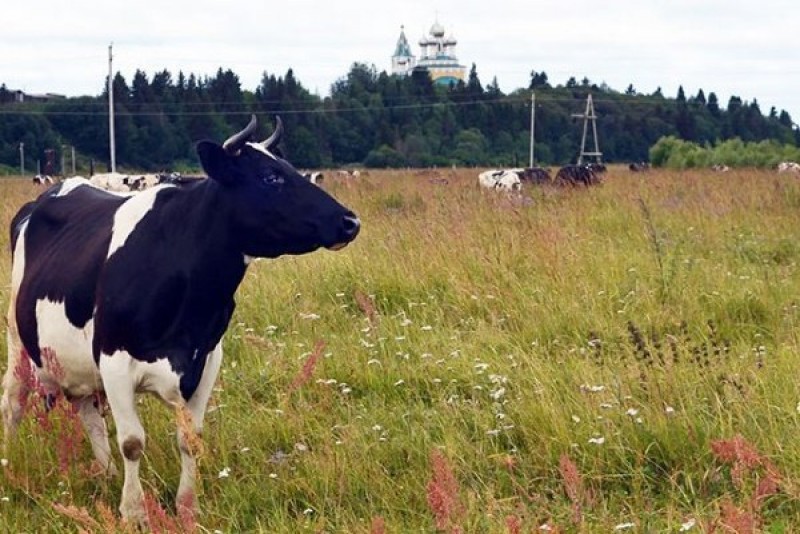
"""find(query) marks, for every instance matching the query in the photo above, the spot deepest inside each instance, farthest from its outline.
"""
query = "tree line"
(374, 119)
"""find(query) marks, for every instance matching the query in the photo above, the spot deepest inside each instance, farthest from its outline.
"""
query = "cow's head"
(273, 209)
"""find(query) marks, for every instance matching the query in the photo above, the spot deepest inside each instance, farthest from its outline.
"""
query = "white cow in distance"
(789, 166)
(500, 180)
(111, 181)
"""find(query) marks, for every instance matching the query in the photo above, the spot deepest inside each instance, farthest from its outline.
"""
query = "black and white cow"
(120, 294)
(315, 177)
(43, 179)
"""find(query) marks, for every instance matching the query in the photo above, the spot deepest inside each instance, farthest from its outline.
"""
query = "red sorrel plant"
(367, 306)
(573, 486)
(745, 460)
(443, 494)
(309, 366)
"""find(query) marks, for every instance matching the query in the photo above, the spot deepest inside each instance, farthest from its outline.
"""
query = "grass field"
(589, 360)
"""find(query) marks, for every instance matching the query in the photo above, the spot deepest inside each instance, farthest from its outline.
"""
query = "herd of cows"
(509, 180)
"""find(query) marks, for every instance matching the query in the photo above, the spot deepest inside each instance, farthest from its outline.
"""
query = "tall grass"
(478, 363)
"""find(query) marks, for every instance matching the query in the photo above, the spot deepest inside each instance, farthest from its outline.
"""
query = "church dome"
(437, 30)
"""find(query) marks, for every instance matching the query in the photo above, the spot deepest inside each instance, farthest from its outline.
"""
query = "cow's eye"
(272, 179)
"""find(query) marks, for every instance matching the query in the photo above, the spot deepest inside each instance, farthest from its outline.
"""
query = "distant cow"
(535, 175)
(576, 175)
(43, 179)
(140, 182)
(111, 181)
(720, 167)
(639, 166)
(119, 294)
(788, 166)
(315, 177)
(500, 180)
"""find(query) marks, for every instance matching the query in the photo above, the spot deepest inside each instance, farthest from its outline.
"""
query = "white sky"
(730, 47)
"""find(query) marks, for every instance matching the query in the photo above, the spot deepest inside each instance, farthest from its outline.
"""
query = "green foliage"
(675, 153)
(378, 120)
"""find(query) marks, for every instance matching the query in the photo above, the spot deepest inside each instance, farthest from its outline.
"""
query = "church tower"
(403, 61)
(438, 56)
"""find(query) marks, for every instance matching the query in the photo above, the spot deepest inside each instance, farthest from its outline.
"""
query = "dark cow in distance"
(577, 175)
(117, 293)
(535, 175)
(639, 166)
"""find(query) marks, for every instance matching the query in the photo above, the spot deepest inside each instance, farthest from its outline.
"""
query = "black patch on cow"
(65, 246)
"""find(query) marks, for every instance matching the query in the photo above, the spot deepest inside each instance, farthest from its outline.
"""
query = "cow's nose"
(350, 226)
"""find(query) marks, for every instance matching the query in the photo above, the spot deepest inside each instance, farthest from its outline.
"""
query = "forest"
(370, 119)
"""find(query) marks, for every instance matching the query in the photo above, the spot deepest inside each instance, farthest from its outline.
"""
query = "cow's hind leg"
(95, 425)
(120, 392)
(19, 379)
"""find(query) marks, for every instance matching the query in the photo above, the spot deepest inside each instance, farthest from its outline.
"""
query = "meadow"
(620, 358)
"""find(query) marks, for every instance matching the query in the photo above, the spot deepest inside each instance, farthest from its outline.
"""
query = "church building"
(437, 57)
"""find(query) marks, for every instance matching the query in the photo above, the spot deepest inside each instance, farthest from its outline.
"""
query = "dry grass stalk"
(305, 374)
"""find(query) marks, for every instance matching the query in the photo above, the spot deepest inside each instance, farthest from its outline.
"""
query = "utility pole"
(112, 146)
(73, 159)
(22, 158)
(533, 122)
(589, 115)
(63, 160)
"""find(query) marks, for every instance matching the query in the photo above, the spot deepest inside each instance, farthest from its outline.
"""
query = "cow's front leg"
(121, 394)
(189, 431)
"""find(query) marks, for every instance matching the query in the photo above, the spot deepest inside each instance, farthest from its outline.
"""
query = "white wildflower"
(576, 419)
(373, 361)
(624, 526)
(273, 475)
(689, 525)
(597, 441)
(309, 316)
(4, 499)
(300, 447)
(4, 462)
(606, 406)
(592, 389)
(498, 393)
(427, 327)
(377, 428)
(225, 473)
(244, 449)
(308, 511)
(669, 410)
(633, 412)
(406, 322)
(400, 382)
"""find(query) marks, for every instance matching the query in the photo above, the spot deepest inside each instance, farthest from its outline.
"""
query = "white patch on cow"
(18, 265)
(128, 216)
(261, 148)
(74, 370)
(68, 185)
(121, 372)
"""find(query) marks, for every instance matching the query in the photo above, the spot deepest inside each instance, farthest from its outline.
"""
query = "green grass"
(658, 312)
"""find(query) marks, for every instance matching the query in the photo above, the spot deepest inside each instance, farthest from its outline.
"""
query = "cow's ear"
(215, 161)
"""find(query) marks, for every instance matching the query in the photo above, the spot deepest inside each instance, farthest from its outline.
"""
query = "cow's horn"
(275, 138)
(235, 142)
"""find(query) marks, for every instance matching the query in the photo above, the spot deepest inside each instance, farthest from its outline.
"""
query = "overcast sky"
(748, 49)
